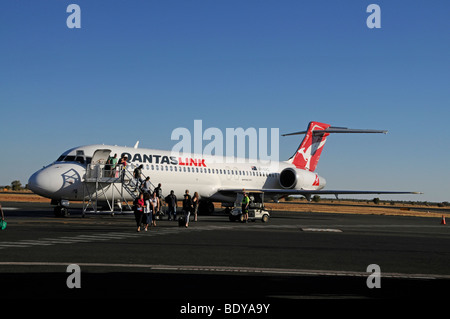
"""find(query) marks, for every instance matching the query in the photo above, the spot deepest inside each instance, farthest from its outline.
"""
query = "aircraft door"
(99, 159)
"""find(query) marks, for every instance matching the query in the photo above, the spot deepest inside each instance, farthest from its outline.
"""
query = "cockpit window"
(79, 158)
(69, 158)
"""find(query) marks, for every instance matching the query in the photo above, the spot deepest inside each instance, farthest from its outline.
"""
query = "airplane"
(79, 174)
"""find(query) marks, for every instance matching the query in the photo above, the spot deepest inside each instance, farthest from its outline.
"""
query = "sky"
(137, 70)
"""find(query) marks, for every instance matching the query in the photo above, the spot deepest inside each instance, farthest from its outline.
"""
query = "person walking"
(139, 205)
(2, 221)
(195, 201)
(158, 191)
(245, 203)
(187, 207)
(147, 217)
(171, 201)
(137, 174)
(146, 186)
(154, 203)
(123, 166)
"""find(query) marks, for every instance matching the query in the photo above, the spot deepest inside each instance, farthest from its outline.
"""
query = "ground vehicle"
(256, 209)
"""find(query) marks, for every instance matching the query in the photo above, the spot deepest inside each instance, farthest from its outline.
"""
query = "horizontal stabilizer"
(332, 129)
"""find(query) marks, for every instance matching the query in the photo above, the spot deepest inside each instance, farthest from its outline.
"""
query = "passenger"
(123, 161)
(147, 217)
(158, 191)
(139, 205)
(113, 163)
(123, 165)
(108, 166)
(245, 203)
(146, 185)
(187, 207)
(3, 222)
(154, 203)
(171, 201)
(195, 201)
(137, 174)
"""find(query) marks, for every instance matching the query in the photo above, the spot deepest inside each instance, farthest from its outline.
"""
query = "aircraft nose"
(43, 183)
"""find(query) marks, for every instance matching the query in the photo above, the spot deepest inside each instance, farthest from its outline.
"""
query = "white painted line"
(331, 230)
(277, 271)
(67, 240)
(86, 237)
(35, 243)
(4, 245)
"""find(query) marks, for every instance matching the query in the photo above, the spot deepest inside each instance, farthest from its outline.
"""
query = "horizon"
(137, 71)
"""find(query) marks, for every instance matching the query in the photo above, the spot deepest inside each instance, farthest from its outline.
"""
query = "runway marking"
(122, 235)
(331, 230)
(105, 236)
(11, 244)
(226, 269)
(86, 238)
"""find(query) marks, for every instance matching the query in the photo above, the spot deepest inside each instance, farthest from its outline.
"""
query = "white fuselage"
(66, 177)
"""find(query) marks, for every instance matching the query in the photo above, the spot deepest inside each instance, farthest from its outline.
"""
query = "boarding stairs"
(113, 186)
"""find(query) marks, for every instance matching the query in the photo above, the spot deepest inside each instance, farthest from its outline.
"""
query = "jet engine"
(294, 178)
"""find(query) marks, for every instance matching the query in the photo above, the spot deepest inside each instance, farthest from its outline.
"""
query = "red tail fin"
(308, 153)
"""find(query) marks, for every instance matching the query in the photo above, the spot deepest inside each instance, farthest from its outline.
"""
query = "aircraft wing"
(307, 193)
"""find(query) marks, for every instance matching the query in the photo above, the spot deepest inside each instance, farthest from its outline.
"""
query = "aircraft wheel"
(61, 211)
(206, 207)
(57, 211)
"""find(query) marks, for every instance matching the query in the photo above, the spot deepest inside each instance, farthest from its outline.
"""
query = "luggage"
(181, 221)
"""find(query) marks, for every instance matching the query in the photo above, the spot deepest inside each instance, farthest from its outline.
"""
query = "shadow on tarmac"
(188, 286)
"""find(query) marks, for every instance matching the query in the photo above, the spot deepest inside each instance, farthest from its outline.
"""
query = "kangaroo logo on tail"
(308, 153)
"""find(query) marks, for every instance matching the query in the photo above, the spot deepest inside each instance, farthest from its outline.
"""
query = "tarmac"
(292, 258)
